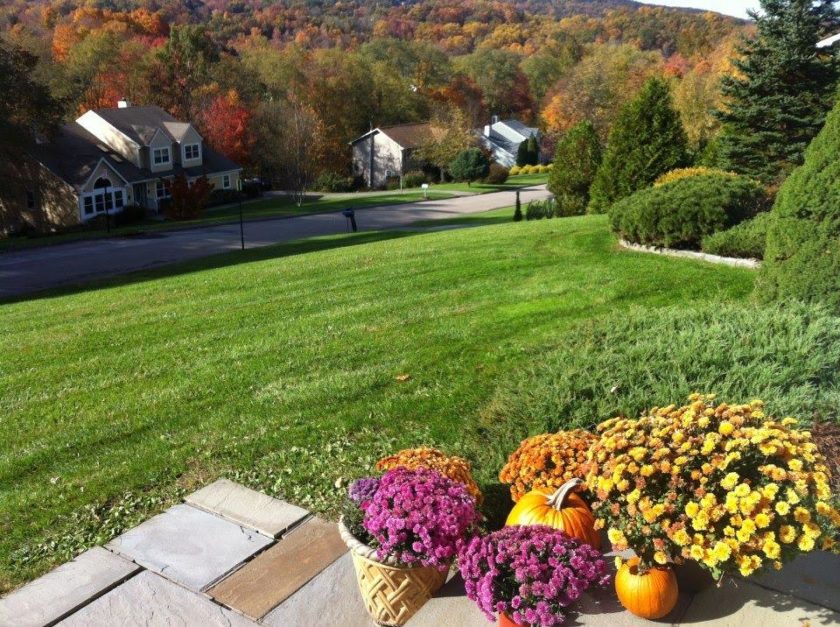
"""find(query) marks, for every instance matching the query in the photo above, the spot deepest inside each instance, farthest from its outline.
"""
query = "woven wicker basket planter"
(392, 593)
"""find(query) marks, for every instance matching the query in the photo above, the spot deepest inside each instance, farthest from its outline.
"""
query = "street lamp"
(241, 221)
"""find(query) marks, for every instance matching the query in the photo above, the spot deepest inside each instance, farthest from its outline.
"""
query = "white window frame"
(197, 147)
(159, 153)
(226, 181)
(162, 191)
(100, 200)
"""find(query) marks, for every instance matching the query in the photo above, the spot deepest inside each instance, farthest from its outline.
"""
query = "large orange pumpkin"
(564, 510)
(652, 594)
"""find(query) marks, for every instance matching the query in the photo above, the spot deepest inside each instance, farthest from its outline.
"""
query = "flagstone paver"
(739, 603)
(189, 546)
(272, 577)
(63, 590)
(149, 599)
(247, 507)
(814, 577)
(332, 598)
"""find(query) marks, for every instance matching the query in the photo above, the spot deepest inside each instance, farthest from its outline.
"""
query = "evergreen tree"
(802, 256)
(576, 161)
(522, 154)
(533, 150)
(784, 86)
(469, 165)
(646, 141)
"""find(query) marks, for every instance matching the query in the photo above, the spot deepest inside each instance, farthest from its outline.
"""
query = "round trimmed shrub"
(498, 174)
(680, 214)
(626, 362)
(746, 240)
(802, 259)
(515, 171)
(413, 179)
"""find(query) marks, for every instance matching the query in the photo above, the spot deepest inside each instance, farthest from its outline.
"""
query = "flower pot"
(507, 621)
(392, 593)
(652, 594)
(692, 577)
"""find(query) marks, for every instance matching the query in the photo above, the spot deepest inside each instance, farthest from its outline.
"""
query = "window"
(88, 204)
(160, 156)
(226, 181)
(30, 199)
(162, 189)
(191, 151)
(119, 201)
(102, 199)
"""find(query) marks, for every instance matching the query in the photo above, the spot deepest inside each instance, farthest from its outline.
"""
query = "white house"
(503, 137)
(388, 151)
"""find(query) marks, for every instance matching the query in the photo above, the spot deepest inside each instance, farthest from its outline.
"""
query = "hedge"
(746, 240)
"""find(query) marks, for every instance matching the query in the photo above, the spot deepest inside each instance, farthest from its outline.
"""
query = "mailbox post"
(350, 214)
(425, 188)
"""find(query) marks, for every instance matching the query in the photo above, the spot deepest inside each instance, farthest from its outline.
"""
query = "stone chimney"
(123, 103)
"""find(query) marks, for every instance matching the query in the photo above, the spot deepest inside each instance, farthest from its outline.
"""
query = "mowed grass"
(281, 371)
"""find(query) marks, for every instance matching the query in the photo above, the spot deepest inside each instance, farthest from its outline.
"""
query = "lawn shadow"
(212, 262)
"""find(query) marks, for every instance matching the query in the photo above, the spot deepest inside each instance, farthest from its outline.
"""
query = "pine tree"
(576, 160)
(522, 154)
(802, 256)
(646, 141)
(533, 150)
(784, 86)
(469, 165)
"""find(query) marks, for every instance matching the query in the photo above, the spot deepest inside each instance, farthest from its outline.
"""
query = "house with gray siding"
(389, 151)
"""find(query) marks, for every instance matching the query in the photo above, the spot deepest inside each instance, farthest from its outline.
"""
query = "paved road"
(32, 270)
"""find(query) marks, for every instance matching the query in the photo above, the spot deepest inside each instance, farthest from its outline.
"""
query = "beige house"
(388, 152)
(112, 158)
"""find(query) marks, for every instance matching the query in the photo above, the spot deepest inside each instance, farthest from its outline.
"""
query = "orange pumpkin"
(652, 594)
(564, 510)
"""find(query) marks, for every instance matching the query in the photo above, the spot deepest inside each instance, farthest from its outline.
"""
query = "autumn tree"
(498, 75)
(181, 66)
(451, 134)
(647, 140)
(784, 87)
(225, 125)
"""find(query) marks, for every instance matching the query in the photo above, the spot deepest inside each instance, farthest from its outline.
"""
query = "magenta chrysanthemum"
(531, 573)
(420, 517)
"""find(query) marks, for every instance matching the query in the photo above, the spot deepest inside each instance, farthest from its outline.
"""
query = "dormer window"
(161, 156)
(192, 151)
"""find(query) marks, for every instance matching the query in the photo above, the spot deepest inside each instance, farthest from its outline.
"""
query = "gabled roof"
(408, 136)
(520, 128)
(141, 123)
(74, 153)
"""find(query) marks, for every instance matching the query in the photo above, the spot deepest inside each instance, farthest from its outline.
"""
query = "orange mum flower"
(456, 468)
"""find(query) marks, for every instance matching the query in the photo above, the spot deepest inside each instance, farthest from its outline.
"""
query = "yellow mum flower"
(616, 536)
(823, 509)
(748, 526)
(811, 530)
(795, 465)
(787, 534)
(783, 508)
(805, 543)
(772, 549)
(762, 520)
(770, 491)
(802, 515)
(792, 496)
(691, 509)
(726, 428)
(660, 558)
(730, 481)
(742, 490)
(681, 537)
(696, 552)
(729, 531)
(721, 551)
(618, 562)
(634, 496)
(647, 470)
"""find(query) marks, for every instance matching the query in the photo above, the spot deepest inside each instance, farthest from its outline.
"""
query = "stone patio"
(232, 556)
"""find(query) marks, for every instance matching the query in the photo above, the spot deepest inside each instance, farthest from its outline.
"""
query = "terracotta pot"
(507, 621)
(652, 594)
(392, 593)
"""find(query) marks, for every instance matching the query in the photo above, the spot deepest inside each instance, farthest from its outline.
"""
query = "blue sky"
(737, 8)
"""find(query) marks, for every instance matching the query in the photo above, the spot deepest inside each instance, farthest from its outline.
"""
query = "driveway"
(26, 271)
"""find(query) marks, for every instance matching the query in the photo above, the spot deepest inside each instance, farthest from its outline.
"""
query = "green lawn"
(277, 367)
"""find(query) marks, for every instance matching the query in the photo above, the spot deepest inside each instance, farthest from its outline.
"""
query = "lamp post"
(241, 220)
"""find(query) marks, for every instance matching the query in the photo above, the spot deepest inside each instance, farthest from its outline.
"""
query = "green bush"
(802, 259)
(539, 209)
(680, 214)
(413, 179)
(646, 141)
(497, 175)
(576, 161)
(470, 165)
(746, 240)
(627, 362)
(333, 182)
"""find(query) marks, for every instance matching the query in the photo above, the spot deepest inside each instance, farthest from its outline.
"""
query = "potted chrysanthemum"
(722, 485)
(529, 575)
(404, 530)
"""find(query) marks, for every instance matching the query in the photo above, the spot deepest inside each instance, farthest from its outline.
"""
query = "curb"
(735, 262)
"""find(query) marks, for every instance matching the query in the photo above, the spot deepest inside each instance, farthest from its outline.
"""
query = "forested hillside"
(242, 69)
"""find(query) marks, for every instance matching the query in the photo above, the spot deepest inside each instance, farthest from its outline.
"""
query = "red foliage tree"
(188, 199)
(225, 126)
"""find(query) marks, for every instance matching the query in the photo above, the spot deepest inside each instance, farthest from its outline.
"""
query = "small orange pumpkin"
(563, 510)
(652, 594)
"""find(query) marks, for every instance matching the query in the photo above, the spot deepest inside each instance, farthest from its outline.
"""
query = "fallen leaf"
(403, 377)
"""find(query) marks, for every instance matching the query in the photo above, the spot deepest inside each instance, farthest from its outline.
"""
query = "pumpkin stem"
(557, 499)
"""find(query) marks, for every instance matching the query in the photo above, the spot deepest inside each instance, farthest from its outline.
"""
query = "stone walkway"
(235, 557)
